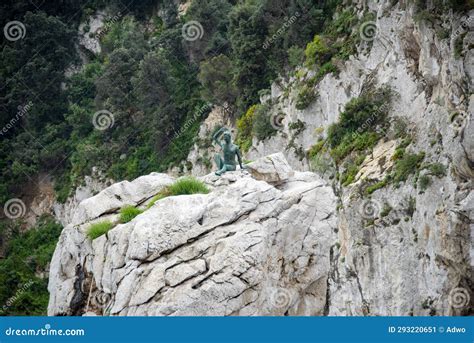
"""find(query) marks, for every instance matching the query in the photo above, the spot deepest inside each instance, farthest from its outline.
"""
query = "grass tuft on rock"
(186, 185)
(127, 213)
(99, 229)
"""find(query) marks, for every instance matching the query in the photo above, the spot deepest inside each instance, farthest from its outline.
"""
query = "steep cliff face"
(308, 246)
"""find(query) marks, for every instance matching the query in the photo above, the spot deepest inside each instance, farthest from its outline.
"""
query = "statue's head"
(227, 137)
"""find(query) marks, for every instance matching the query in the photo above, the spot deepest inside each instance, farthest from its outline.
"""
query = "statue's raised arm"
(216, 136)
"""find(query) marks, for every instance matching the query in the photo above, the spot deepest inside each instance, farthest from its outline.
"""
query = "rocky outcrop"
(91, 185)
(272, 169)
(246, 248)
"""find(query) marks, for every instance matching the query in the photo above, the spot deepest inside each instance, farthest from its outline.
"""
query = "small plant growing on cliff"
(372, 188)
(305, 97)
(424, 181)
(437, 169)
(186, 185)
(317, 51)
(355, 129)
(128, 213)
(408, 164)
(99, 229)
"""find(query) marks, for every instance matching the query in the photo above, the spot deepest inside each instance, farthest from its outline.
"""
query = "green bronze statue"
(230, 151)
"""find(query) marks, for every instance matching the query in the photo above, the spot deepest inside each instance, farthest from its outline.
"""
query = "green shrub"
(127, 213)
(354, 142)
(98, 229)
(437, 169)
(424, 181)
(315, 149)
(26, 256)
(398, 154)
(326, 68)
(378, 185)
(342, 24)
(408, 164)
(185, 185)
(262, 127)
(360, 115)
(349, 174)
(297, 126)
(244, 129)
(305, 97)
(317, 51)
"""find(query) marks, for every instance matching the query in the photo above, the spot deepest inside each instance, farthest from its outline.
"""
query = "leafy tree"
(216, 78)
(154, 86)
(247, 32)
(212, 15)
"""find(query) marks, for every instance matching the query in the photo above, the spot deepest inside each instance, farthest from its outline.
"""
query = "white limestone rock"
(120, 194)
(272, 168)
(246, 248)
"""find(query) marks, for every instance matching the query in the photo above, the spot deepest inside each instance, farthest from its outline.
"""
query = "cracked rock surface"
(246, 248)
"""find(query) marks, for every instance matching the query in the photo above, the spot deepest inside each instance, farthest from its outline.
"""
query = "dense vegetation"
(23, 270)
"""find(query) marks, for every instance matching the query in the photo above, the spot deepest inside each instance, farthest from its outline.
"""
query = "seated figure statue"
(230, 152)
